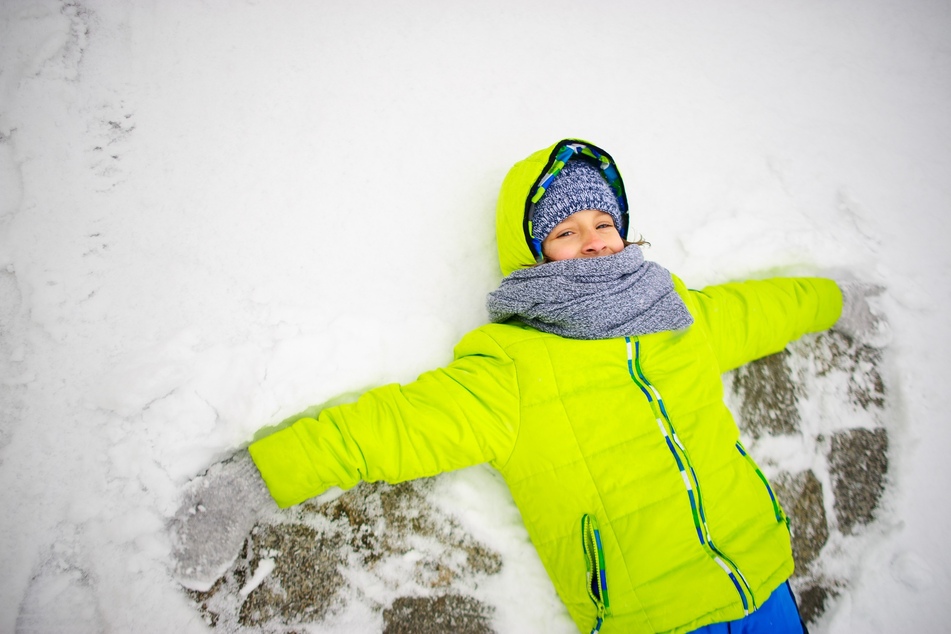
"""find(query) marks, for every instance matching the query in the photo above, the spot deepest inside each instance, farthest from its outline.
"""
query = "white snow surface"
(214, 214)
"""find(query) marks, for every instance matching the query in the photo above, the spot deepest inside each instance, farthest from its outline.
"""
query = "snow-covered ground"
(215, 214)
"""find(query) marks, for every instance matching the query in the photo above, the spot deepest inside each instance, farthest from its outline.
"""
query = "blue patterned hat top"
(578, 186)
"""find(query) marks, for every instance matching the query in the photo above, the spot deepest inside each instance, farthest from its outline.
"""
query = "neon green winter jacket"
(631, 435)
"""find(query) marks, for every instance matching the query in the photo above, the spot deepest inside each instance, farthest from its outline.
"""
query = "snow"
(215, 214)
(264, 568)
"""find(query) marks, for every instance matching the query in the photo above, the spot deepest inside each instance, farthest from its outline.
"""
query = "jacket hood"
(524, 186)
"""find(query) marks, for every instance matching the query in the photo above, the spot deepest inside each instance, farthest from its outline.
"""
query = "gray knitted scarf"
(592, 298)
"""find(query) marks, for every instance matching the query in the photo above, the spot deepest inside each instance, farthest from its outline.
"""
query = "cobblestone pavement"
(825, 397)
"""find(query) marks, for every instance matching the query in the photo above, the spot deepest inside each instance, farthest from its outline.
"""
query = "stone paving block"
(801, 496)
(767, 396)
(305, 580)
(858, 462)
(813, 601)
(448, 614)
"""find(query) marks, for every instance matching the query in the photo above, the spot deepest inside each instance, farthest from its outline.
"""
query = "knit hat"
(578, 186)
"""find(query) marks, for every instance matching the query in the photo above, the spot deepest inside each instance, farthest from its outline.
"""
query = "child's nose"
(593, 243)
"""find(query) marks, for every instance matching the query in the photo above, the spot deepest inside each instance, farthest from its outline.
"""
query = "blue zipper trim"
(689, 475)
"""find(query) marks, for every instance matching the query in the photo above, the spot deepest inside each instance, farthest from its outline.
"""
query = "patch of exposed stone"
(768, 406)
(783, 396)
(301, 588)
(446, 614)
(814, 600)
(833, 352)
(383, 520)
(858, 462)
(309, 550)
(801, 496)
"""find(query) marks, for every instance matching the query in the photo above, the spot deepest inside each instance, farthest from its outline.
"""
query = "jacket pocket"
(777, 509)
(596, 578)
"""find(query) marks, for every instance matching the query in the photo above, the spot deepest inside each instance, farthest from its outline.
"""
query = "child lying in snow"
(596, 392)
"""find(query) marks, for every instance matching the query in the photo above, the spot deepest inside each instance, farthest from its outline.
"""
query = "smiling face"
(586, 234)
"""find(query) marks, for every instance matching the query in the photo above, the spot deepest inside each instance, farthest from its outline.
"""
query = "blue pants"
(779, 615)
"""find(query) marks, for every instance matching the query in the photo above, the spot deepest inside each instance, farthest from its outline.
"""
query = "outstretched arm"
(454, 417)
(750, 320)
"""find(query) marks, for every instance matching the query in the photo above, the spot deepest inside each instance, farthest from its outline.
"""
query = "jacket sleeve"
(749, 320)
(454, 417)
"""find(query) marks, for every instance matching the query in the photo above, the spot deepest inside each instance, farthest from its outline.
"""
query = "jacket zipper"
(597, 581)
(692, 484)
(777, 509)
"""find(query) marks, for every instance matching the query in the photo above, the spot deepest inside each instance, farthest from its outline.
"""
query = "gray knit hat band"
(577, 187)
